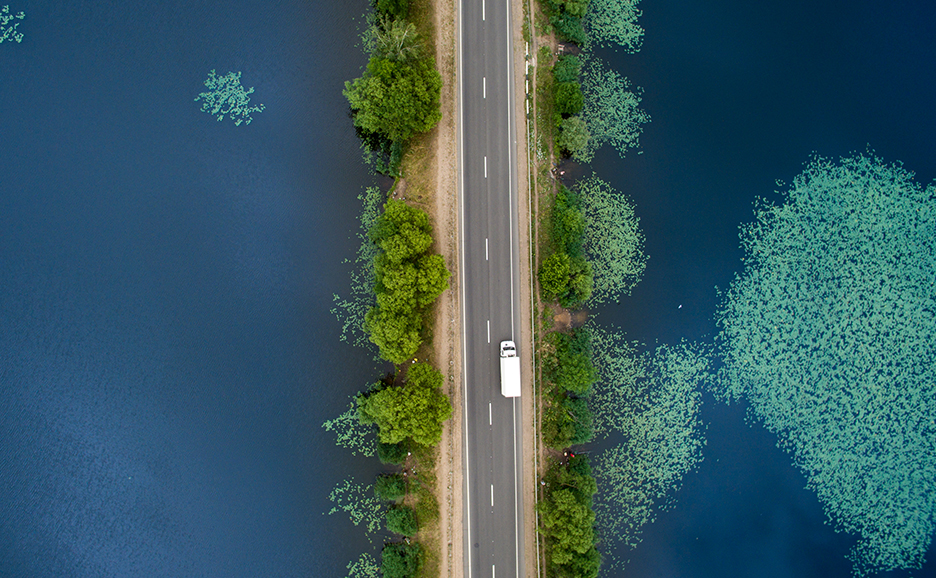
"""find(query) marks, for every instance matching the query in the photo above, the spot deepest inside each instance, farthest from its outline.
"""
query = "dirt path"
(447, 342)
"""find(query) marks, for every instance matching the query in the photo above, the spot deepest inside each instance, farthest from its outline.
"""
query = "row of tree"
(572, 130)
(397, 97)
(567, 519)
(408, 278)
(565, 275)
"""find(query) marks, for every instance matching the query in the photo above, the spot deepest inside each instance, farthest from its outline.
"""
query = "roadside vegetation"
(397, 280)
(589, 250)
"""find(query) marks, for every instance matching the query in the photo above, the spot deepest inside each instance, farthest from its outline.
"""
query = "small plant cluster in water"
(227, 96)
(352, 311)
(650, 401)
(8, 33)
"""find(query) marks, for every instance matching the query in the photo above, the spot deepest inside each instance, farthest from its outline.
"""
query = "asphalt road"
(491, 289)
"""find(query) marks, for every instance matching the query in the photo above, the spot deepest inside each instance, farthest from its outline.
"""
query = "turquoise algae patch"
(830, 334)
(653, 401)
(8, 33)
(612, 110)
(227, 96)
(612, 240)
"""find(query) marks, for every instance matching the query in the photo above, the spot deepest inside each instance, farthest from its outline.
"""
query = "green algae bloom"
(652, 401)
(226, 96)
(612, 110)
(614, 22)
(8, 33)
(364, 567)
(360, 503)
(612, 240)
(351, 311)
(351, 434)
(830, 334)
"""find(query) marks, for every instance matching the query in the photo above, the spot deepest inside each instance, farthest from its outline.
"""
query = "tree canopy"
(396, 98)
(407, 280)
(567, 519)
(400, 560)
(416, 410)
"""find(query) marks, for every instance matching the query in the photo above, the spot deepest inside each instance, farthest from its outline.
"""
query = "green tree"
(554, 275)
(568, 222)
(567, 68)
(397, 335)
(400, 560)
(580, 283)
(569, 98)
(397, 9)
(573, 134)
(406, 280)
(568, 523)
(396, 99)
(402, 520)
(394, 454)
(572, 368)
(390, 487)
(415, 410)
(395, 39)
(576, 8)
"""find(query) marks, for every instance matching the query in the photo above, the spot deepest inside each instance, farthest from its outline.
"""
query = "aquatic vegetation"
(8, 33)
(351, 312)
(830, 334)
(226, 96)
(653, 401)
(352, 434)
(613, 240)
(612, 110)
(364, 567)
(360, 503)
(614, 21)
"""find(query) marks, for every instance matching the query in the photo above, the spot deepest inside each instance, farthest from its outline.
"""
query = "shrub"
(573, 135)
(413, 411)
(402, 520)
(397, 9)
(567, 68)
(393, 454)
(569, 98)
(390, 487)
(400, 560)
(572, 369)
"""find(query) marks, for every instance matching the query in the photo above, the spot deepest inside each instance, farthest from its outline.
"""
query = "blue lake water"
(167, 355)
(741, 93)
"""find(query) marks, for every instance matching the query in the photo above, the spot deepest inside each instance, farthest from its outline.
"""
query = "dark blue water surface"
(741, 93)
(167, 355)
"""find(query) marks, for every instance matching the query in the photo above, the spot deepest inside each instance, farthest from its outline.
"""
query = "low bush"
(400, 560)
(402, 520)
(567, 68)
(393, 454)
(390, 487)
(569, 98)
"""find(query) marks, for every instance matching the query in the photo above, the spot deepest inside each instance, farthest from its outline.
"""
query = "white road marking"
(492, 495)
(486, 249)
(482, 10)
(485, 166)
(490, 415)
(489, 330)
(483, 87)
